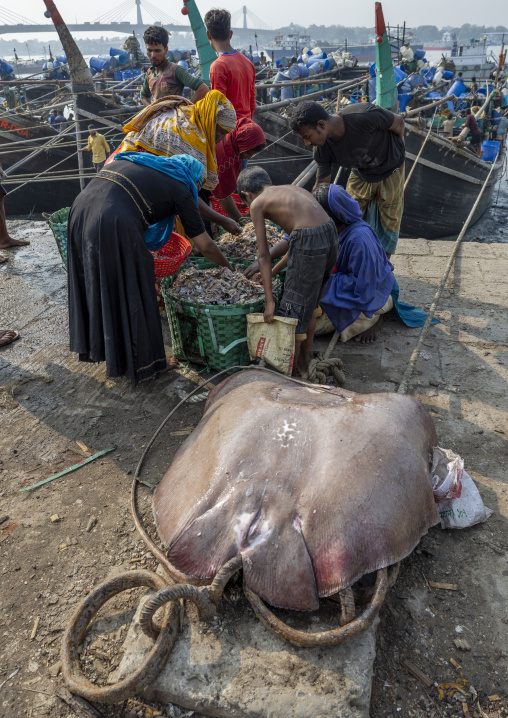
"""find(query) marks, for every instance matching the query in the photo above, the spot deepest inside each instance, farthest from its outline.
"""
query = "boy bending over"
(311, 252)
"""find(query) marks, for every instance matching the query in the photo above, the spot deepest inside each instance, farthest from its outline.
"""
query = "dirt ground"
(61, 540)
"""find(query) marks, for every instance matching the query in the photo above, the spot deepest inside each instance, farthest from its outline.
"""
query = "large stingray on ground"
(313, 487)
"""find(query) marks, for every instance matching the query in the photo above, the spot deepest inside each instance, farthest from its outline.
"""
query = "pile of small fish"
(218, 286)
(245, 246)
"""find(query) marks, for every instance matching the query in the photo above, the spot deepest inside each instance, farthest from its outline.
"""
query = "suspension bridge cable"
(158, 14)
(14, 18)
(110, 14)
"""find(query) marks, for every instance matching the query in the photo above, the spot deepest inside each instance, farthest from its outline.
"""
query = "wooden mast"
(386, 87)
(81, 77)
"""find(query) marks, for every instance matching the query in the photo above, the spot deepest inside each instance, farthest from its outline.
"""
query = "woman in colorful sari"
(174, 126)
(246, 140)
(113, 312)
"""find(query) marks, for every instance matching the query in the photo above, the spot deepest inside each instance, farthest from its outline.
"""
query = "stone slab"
(234, 667)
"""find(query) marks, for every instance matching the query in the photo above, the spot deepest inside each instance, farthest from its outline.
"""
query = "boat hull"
(443, 188)
(44, 194)
(285, 155)
(441, 192)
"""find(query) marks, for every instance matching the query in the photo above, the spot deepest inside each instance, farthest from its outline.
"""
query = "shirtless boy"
(310, 255)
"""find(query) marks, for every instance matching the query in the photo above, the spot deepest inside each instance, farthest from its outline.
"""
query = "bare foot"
(370, 335)
(301, 369)
(3, 258)
(7, 336)
(10, 242)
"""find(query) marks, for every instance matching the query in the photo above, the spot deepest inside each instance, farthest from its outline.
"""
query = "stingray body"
(314, 488)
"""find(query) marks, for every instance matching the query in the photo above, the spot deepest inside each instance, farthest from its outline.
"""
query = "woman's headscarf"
(362, 278)
(246, 136)
(344, 207)
(174, 126)
(183, 168)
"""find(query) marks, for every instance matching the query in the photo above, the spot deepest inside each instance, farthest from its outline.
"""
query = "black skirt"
(113, 313)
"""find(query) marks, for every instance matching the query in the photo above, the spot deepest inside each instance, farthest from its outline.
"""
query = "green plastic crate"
(214, 335)
(58, 224)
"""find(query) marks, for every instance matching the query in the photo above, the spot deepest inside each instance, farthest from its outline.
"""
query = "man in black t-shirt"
(370, 140)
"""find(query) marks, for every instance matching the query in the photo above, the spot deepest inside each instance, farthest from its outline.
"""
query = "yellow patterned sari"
(174, 126)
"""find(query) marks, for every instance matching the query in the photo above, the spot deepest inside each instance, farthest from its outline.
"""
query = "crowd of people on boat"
(175, 154)
(471, 127)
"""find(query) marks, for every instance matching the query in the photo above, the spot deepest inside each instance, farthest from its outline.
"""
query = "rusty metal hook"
(206, 598)
(76, 628)
(384, 580)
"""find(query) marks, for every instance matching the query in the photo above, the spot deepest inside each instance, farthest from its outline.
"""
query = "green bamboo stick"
(71, 468)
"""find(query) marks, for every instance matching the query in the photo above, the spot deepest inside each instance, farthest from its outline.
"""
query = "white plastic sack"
(459, 502)
(273, 343)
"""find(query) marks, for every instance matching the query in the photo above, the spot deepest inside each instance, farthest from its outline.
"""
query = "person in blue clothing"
(362, 287)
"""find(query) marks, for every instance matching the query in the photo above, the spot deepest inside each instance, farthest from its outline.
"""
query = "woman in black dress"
(113, 312)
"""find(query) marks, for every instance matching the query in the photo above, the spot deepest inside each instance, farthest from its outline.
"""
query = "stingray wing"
(313, 488)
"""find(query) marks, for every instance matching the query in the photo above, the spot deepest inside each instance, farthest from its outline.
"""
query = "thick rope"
(324, 366)
(404, 384)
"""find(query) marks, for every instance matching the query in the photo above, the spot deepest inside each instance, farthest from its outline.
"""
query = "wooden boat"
(285, 154)
(31, 158)
(446, 180)
(56, 152)
(35, 197)
(444, 186)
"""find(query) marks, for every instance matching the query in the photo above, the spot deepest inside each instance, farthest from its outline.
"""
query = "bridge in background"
(114, 21)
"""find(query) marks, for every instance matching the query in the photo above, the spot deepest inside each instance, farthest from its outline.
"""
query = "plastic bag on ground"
(459, 502)
(273, 343)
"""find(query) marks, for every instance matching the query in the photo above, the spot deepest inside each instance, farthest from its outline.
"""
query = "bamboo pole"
(44, 172)
(23, 143)
(102, 120)
(410, 113)
(312, 95)
(303, 173)
(28, 81)
(62, 178)
(319, 77)
(404, 384)
(50, 143)
(79, 153)
(418, 155)
(484, 106)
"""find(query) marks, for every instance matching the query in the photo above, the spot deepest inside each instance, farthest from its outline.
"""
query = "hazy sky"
(275, 14)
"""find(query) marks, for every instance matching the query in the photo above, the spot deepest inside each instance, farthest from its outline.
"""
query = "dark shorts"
(312, 255)
(98, 166)
(3, 191)
(476, 140)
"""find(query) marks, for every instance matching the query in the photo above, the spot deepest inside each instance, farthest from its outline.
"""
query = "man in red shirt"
(231, 73)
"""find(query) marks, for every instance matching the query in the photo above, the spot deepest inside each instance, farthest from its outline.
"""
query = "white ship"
(473, 60)
(288, 45)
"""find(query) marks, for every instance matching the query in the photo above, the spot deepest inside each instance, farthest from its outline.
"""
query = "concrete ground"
(59, 541)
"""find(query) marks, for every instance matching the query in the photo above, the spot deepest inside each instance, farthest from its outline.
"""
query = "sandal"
(5, 342)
